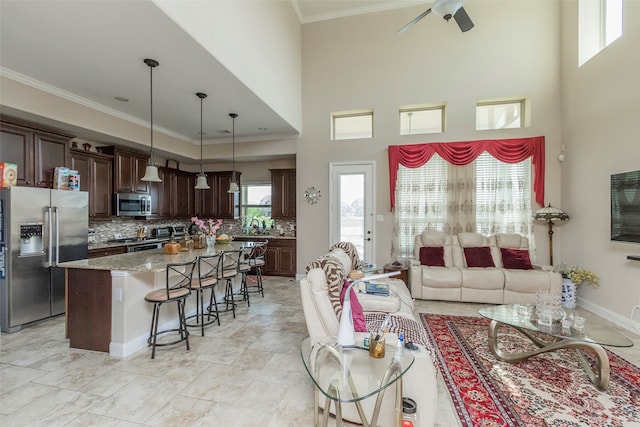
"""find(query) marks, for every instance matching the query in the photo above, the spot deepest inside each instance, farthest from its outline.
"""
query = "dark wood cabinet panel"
(50, 151)
(116, 250)
(128, 169)
(96, 178)
(36, 152)
(89, 309)
(283, 193)
(16, 146)
(216, 202)
(185, 194)
(174, 197)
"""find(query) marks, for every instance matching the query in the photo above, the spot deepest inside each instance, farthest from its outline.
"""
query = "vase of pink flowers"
(209, 227)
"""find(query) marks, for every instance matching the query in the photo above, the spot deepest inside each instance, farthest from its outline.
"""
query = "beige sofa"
(458, 282)
(324, 277)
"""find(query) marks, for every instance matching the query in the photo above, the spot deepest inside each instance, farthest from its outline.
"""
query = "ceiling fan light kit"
(447, 9)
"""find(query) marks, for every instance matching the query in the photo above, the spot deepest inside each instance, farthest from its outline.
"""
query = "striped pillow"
(335, 274)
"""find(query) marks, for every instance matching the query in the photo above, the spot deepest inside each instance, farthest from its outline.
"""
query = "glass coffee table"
(350, 375)
(591, 338)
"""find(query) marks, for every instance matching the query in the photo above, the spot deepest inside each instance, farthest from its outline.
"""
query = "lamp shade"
(201, 184)
(550, 214)
(233, 187)
(151, 174)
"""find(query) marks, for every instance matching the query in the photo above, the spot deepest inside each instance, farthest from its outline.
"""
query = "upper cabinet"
(217, 202)
(96, 171)
(174, 197)
(36, 153)
(128, 169)
(283, 193)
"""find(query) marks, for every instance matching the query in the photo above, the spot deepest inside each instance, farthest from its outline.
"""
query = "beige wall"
(600, 132)
(361, 62)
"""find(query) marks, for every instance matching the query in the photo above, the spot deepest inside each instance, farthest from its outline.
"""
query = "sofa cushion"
(478, 257)
(516, 259)
(335, 275)
(432, 256)
(344, 259)
(357, 314)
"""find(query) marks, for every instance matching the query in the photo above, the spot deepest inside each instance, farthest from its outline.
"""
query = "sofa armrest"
(384, 304)
(543, 267)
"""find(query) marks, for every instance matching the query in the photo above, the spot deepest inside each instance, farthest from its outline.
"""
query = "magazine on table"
(377, 288)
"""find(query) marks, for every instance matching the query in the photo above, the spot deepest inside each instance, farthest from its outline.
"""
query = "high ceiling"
(89, 52)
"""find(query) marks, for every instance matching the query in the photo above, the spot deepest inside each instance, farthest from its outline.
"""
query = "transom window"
(599, 25)
(425, 119)
(352, 125)
(507, 114)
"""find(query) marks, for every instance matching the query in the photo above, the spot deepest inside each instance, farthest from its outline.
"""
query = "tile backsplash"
(102, 231)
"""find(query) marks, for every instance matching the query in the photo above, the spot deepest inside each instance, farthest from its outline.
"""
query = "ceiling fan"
(446, 9)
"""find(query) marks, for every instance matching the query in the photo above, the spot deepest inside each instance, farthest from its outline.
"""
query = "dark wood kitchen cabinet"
(216, 202)
(36, 152)
(280, 258)
(283, 193)
(128, 169)
(95, 177)
(174, 197)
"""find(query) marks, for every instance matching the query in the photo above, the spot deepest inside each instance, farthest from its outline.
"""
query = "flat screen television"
(625, 207)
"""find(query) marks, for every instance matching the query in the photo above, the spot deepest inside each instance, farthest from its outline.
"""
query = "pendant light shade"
(151, 173)
(233, 187)
(201, 184)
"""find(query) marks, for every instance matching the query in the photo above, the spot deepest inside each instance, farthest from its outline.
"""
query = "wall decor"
(311, 195)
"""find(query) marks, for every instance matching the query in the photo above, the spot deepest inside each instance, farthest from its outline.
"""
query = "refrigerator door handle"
(50, 224)
(55, 210)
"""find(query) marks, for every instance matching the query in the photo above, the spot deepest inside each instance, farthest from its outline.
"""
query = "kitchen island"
(105, 305)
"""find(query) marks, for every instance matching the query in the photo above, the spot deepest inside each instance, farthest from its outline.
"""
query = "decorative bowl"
(221, 241)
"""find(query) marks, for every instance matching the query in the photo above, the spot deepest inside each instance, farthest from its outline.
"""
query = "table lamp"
(550, 215)
(346, 332)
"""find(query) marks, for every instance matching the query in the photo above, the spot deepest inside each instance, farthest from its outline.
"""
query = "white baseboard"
(624, 322)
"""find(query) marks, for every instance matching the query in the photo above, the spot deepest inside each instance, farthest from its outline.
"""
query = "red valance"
(462, 153)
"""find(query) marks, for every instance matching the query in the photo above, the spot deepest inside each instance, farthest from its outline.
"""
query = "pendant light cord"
(201, 167)
(233, 145)
(151, 121)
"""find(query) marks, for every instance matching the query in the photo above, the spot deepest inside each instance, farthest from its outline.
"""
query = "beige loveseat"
(324, 279)
(458, 282)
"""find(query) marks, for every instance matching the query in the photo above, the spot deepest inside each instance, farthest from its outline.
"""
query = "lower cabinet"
(280, 257)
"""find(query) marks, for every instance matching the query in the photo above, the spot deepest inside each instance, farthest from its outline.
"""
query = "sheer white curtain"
(486, 196)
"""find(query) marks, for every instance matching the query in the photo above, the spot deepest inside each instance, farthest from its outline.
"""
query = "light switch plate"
(380, 218)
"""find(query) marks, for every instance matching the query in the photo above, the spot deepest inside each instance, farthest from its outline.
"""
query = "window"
(500, 114)
(486, 196)
(352, 125)
(600, 23)
(256, 203)
(426, 119)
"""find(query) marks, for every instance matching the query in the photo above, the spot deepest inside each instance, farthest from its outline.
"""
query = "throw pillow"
(479, 256)
(335, 274)
(516, 258)
(359, 324)
(432, 256)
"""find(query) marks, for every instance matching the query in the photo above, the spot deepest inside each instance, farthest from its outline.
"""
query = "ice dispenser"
(31, 239)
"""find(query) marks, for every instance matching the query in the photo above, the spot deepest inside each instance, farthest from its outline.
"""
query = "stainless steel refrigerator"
(39, 228)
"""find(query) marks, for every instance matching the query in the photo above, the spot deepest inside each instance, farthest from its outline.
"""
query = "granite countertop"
(104, 245)
(153, 260)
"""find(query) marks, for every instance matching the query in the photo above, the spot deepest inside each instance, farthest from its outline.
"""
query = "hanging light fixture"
(201, 184)
(151, 173)
(233, 187)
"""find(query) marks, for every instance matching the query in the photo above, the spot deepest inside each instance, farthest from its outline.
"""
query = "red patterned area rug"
(550, 389)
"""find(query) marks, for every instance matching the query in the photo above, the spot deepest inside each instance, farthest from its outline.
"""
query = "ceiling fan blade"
(415, 21)
(463, 20)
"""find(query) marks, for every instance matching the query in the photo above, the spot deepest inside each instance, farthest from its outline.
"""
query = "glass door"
(351, 206)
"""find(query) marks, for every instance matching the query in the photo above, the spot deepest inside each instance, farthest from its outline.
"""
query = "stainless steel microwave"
(131, 204)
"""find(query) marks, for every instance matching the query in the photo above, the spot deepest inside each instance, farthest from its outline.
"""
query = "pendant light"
(151, 173)
(201, 184)
(233, 187)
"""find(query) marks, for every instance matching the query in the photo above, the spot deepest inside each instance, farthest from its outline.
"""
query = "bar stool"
(243, 268)
(256, 261)
(228, 272)
(208, 266)
(177, 288)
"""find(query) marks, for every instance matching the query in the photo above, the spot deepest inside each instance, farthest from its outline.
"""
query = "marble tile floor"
(246, 372)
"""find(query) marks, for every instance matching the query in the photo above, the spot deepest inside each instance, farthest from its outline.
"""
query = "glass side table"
(350, 375)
